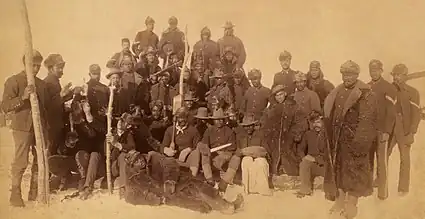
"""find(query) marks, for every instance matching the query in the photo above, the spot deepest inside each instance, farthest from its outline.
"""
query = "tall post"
(109, 133)
(43, 169)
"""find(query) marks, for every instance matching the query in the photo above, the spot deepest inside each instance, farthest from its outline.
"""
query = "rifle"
(167, 68)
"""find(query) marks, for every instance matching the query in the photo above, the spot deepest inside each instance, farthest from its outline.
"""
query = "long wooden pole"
(43, 170)
(108, 145)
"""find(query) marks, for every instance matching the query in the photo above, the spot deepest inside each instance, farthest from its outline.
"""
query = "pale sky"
(87, 32)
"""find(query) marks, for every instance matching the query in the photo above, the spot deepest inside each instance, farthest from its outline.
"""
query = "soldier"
(188, 84)
(55, 65)
(145, 38)
(202, 120)
(220, 93)
(406, 124)
(386, 95)
(256, 98)
(97, 93)
(130, 81)
(200, 78)
(239, 89)
(206, 49)
(157, 122)
(16, 101)
(183, 145)
(287, 75)
(350, 121)
(148, 65)
(164, 92)
(307, 100)
(312, 150)
(174, 36)
(119, 107)
(215, 136)
(190, 104)
(232, 41)
(117, 58)
(317, 83)
(255, 167)
(283, 129)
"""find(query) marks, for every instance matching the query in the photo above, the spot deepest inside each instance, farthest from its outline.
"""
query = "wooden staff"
(109, 133)
(415, 75)
(43, 168)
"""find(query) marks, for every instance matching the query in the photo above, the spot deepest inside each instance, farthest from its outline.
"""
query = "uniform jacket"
(386, 96)
(321, 86)
(308, 101)
(255, 101)
(175, 37)
(314, 144)
(56, 115)
(222, 94)
(188, 139)
(97, 96)
(208, 50)
(164, 93)
(237, 45)
(20, 111)
(285, 78)
(352, 132)
(408, 105)
(146, 38)
(214, 137)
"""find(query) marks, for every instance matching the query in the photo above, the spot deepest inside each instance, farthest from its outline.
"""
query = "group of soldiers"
(302, 127)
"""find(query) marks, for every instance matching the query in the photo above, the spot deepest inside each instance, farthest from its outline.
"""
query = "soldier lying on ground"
(169, 187)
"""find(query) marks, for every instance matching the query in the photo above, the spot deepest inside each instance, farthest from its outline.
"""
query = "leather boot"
(32, 194)
(16, 197)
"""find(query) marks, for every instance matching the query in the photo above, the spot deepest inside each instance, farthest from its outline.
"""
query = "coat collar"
(351, 100)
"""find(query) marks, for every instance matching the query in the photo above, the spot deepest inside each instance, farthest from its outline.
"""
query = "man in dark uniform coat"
(317, 83)
(145, 38)
(118, 57)
(97, 93)
(16, 101)
(230, 40)
(207, 49)
(406, 123)
(285, 77)
(55, 65)
(174, 36)
(350, 120)
(386, 94)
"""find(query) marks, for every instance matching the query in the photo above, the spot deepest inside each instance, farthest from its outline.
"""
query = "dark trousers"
(88, 165)
(24, 143)
(118, 169)
(381, 153)
(55, 140)
(308, 171)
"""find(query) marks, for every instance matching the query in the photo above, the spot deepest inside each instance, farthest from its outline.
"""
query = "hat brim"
(113, 73)
(277, 91)
(202, 117)
(249, 123)
(216, 77)
(217, 118)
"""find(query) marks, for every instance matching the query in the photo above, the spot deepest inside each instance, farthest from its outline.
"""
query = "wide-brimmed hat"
(113, 71)
(248, 120)
(279, 88)
(202, 113)
(218, 114)
(150, 50)
(53, 59)
(228, 25)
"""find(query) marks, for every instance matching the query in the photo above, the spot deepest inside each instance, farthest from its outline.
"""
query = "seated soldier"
(157, 122)
(202, 120)
(255, 167)
(219, 94)
(312, 149)
(216, 136)
(122, 141)
(181, 141)
(187, 192)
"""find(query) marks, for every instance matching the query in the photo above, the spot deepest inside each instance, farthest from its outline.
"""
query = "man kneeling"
(168, 187)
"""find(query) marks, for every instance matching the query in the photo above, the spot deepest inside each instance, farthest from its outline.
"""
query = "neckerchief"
(180, 129)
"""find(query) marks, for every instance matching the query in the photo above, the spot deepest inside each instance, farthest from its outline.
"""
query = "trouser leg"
(404, 175)
(382, 167)
(193, 160)
(92, 169)
(306, 177)
(246, 166)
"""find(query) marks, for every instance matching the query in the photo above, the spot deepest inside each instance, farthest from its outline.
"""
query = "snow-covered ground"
(280, 205)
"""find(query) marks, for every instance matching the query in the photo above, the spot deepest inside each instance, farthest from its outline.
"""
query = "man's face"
(317, 125)
(249, 129)
(219, 123)
(280, 96)
(219, 80)
(375, 73)
(165, 79)
(127, 67)
(156, 112)
(256, 82)
(95, 75)
(58, 70)
(198, 68)
(229, 56)
(174, 59)
(115, 80)
(300, 85)
(399, 78)
(35, 68)
(188, 104)
(182, 121)
(285, 63)
(150, 26)
(228, 32)
(349, 79)
(205, 37)
(125, 46)
(150, 57)
(315, 73)
(237, 80)
(71, 142)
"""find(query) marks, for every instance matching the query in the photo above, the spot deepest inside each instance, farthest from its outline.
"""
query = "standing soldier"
(256, 98)
(130, 82)
(350, 119)
(117, 58)
(307, 100)
(386, 95)
(16, 102)
(174, 36)
(239, 89)
(55, 65)
(145, 38)
(287, 75)
(232, 41)
(406, 124)
(164, 92)
(317, 83)
(97, 93)
(207, 49)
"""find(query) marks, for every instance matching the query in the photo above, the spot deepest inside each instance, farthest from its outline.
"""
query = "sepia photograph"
(212, 109)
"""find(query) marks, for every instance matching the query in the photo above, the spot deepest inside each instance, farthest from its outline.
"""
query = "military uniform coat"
(146, 38)
(386, 96)
(350, 121)
(237, 45)
(255, 101)
(175, 37)
(285, 78)
(321, 86)
(407, 104)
